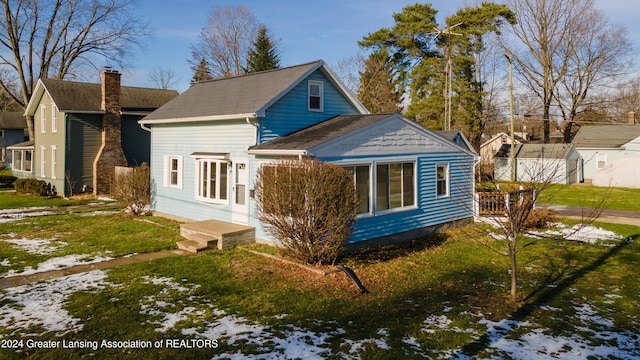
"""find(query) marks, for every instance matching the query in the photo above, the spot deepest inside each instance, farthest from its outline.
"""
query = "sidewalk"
(18, 280)
(607, 215)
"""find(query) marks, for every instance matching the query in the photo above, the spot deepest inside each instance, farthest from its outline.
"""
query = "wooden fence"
(497, 203)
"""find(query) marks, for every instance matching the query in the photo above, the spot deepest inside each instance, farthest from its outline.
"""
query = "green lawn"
(434, 298)
(11, 200)
(589, 196)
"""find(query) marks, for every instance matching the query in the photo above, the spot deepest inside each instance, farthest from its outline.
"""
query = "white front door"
(240, 191)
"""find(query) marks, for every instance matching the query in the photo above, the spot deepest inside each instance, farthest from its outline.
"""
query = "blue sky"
(309, 30)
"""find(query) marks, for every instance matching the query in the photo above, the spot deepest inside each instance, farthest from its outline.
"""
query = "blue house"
(208, 143)
(13, 126)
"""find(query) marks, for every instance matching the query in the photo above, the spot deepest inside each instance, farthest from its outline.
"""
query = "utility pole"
(512, 153)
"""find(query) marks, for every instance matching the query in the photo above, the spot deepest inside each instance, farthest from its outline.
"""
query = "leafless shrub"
(133, 188)
(308, 206)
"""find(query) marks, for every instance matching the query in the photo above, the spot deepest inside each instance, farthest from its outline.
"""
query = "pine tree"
(263, 54)
(379, 90)
(201, 72)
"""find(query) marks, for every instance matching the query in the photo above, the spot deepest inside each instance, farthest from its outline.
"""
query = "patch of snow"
(37, 246)
(579, 232)
(42, 304)
(6, 217)
(59, 263)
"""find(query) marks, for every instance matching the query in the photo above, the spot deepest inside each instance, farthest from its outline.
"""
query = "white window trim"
(54, 119)
(447, 180)
(320, 84)
(53, 161)
(43, 119)
(218, 160)
(167, 171)
(604, 160)
(373, 180)
(43, 161)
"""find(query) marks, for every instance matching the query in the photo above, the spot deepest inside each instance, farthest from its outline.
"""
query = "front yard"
(442, 297)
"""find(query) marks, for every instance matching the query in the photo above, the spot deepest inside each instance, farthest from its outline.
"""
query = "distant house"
(553, 163)
(603, 147)
(208, 143)
(12, 131)
(83, 130)
(489, 148)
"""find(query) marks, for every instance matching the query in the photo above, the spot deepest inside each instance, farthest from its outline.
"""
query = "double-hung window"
(212, 180)
(53, 161)
(43, 161)
(442, 179)
(601, 160)
(316, 101)
(54, 119)
(173, 171)
(43, 119)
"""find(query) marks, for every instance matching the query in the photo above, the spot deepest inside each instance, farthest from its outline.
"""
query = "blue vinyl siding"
(10, 137)
(291, 112)
(232, 137)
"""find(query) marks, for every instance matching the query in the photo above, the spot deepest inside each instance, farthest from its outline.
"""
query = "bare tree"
(226, 39)
(514, 212)
(348, 70)
(597, 56)
(62, 38)
(163, 78)
(552, 35)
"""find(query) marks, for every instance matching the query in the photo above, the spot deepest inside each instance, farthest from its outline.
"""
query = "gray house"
(603, 146)
(554, 163)
(12, 131)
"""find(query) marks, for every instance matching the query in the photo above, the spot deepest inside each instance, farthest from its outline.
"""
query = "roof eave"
(278, 152)
(199, 119)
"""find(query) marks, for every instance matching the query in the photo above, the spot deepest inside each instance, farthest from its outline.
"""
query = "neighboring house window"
(173, 171)
(316, 101)
(43, 161)
(54, 119)
(395, 185)
(442, 179)
(17, 160)
(362, 181)
(28, 160)
(212, 180)
(601, 160)
(43, 119)
(53, 161)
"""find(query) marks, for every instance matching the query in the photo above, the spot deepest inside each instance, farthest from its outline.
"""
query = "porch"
(496, 203)
(212, 234)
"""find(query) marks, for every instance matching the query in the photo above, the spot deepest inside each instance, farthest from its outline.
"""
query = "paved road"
(607, 215)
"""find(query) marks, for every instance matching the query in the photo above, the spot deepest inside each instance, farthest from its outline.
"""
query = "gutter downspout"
(144, 127)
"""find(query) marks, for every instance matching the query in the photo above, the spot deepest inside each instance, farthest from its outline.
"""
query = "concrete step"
(194, 246)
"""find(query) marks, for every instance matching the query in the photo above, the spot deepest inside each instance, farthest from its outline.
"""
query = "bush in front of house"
(7, 180)
(31, 186)
(133, 189)
(308, 206)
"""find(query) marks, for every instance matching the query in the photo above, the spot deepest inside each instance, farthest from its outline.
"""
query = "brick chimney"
(631, 117)
(110, 154)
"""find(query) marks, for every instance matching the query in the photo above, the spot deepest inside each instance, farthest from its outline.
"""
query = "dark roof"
(12, 120)
(449, 134)
(246, 95)
(70, 96)
(606, 136)
(536, 151)
(320, 133)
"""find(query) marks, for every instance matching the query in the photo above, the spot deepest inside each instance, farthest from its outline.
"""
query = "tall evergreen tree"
(379, 89)
(201, 72)
(263, 54)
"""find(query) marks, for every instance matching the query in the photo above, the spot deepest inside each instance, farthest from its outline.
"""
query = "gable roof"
(536, 151)
(78, 97)
(606, 136)
(12, 120)
(456, 136)
(517, 139)
(326, 133)
(245, 96)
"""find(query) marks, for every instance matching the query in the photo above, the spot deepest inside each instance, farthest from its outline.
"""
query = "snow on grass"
(59, 263)
(37, 246)
(41, 305)
(16, 214)
(579, 232)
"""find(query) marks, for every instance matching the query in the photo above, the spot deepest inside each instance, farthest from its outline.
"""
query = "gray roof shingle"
(536, 151)
(12, 120)
(317, 134)
(70, 96)
(606, 136)
(245, 94)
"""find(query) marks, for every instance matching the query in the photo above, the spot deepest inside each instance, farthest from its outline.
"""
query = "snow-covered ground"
(42, 306)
